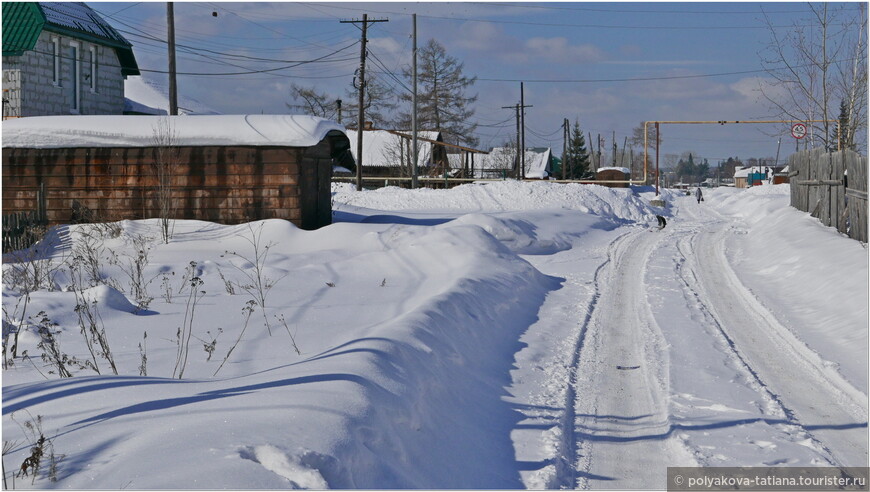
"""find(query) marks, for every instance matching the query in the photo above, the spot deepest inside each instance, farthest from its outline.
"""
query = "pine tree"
(441, 101)
(686, 170)
(576, 158)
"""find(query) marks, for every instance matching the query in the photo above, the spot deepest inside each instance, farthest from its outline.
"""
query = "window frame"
(75, 77)
(93, 67)
(56, 56)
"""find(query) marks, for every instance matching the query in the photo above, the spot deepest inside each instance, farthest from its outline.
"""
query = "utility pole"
(523, 126)
(599, 152)
(362, 85)
(778, 142)
(657, 157)
(565, 134)
(592, 153)
(615, 148)
(170, 34)
(521, 133)
(622, 158)
(517, 163)
(516, 108)
(414, 110)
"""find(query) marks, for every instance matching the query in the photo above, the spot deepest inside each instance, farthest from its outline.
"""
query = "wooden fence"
(831, 187)
(23, 229)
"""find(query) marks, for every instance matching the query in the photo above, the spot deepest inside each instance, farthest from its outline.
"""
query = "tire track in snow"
(773, 404)
(813, 397)
(566, 473)
(618, 432)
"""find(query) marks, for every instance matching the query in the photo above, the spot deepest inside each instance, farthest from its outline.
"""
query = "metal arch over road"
(719, 122)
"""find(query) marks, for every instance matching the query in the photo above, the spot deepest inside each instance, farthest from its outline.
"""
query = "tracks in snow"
(813, 396)
(617, 429)
(617, 402)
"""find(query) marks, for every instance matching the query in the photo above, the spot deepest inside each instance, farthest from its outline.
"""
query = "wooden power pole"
(170, 35)
(362, 87)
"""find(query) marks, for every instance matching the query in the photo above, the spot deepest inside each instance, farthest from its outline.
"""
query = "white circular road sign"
(798, 130)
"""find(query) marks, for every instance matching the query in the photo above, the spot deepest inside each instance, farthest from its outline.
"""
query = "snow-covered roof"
(746, 171)
(503, 158)
(141, 131)
(382, 148)
(147, 96)
(623, 170)
(538, 163)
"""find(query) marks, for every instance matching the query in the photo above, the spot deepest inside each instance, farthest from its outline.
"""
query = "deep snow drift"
(435, 328)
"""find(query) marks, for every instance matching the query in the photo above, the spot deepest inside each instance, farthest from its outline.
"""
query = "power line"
(558, 24)
(631, 11)
(647, 79)
(250, 72)
(388, 72)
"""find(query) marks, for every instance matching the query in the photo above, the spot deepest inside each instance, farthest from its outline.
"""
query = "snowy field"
(500, 335)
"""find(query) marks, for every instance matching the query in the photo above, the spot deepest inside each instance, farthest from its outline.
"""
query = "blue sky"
(608, 65)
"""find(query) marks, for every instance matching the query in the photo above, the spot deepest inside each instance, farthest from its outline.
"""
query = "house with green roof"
(62, 58)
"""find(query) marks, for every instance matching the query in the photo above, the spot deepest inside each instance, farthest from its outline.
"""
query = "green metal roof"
(24, 21)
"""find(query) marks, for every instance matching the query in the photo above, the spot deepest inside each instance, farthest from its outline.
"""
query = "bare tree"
(817, 64)
(379, 104)
(501, 160)
(165, 161)
(311, 102)
(637, 138)
(399, 151)
(441, 101)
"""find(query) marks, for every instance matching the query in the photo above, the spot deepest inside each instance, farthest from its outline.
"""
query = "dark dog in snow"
(662, 221)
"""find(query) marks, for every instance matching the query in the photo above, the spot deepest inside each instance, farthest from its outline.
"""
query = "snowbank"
(407, 335)
(620, 204)
(824, 275)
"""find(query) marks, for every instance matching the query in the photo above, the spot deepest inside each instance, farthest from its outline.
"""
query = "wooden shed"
(222, 168)
(613, 174)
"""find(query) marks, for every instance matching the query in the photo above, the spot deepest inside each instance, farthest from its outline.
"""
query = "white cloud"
(559, 49)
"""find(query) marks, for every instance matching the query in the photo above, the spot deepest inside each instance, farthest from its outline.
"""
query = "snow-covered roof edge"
(143, 131)
(611, 168)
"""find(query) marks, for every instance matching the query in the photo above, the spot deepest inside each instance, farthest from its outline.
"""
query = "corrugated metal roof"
(79, 17)
(22, 23)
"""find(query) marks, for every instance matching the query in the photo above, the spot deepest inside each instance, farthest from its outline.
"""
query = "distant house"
(751, 176)
(226, 168)
(539, 163)
(387, 153)
(62, 58)
(502, 162)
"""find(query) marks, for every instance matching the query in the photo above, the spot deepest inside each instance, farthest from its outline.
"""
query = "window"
(92, 69)
(75, 75)
(55, 55)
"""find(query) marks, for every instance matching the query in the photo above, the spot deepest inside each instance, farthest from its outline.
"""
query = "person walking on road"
(699, 196)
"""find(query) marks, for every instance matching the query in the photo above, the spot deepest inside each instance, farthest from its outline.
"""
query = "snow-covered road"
(491, 336)
(674, 362)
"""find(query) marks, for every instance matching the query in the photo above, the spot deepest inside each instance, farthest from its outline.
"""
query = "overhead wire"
(558, 24)
(632, 11)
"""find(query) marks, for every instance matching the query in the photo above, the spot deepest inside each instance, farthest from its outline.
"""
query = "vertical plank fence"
(831, 186)
(23, 229)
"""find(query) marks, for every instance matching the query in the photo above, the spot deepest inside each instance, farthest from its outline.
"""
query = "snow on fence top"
(145, 131)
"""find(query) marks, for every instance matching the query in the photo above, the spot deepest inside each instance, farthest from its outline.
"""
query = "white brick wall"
(36, 95)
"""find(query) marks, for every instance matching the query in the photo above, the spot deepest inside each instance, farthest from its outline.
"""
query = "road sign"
(799, 130)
